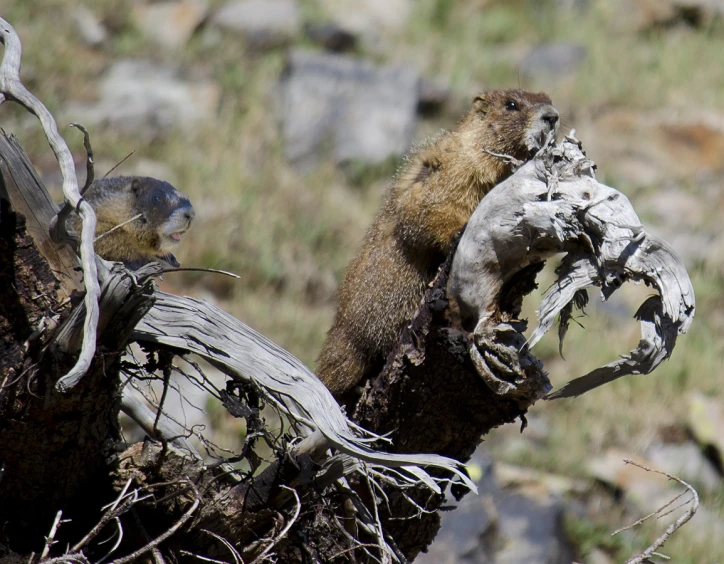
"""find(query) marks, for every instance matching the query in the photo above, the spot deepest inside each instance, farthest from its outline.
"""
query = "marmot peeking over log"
(436, 191)
(162, 215)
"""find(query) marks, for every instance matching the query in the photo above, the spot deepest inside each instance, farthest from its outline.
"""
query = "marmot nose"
(550, 115)
(189, 213)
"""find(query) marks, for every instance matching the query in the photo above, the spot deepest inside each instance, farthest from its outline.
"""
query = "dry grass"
(289, 235)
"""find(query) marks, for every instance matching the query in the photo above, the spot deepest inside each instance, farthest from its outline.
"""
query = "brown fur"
(164, 211)
(434, 195)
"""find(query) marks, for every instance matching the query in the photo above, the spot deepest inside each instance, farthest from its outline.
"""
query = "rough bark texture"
(430, 398)
(40, 432)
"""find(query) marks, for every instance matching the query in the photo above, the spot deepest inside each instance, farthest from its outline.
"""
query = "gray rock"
(371, 19)
(360, 111)
(263, 23)
(331, 37)
(146, 98)
(501, 526)
(643, 15)
(633, 16)
(706, 420)
(645, 491)
(686, 461)
(553, 61)
(88, 27)
(170, 23)
(434, 96)
(533, 530)
(700, 11)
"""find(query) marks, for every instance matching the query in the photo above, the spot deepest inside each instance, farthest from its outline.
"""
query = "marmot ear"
(481, 105)
(136, 186)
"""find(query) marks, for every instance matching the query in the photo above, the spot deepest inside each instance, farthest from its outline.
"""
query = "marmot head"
(165, 212)
(511, 122)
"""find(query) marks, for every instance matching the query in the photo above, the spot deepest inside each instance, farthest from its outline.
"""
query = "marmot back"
(435, 193)
(151, 213)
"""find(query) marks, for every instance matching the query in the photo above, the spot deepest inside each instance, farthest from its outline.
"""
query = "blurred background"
(285, 120)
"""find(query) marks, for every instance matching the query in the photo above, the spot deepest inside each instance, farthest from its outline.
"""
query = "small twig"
(197, 269)
(78, 558)
(670, 511)
(159, 539)
(50, 539)
(676, 525)
(380, 533)
(89, 165)
(119, 539)
(106, 517)
(164, 393)
(112, 229)
(286, 529)
(157, 556)
(12, 88)
(507, 158)
(123, 160)
(227, 544)
(351, 548)
(202, 558)
(644, 519)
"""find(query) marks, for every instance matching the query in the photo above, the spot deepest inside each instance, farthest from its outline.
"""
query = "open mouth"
(176, 235)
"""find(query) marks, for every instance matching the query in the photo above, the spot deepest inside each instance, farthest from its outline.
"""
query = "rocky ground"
(284, 121)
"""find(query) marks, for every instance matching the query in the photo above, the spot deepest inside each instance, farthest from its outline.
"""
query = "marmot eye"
(511, 106)
(156, 198)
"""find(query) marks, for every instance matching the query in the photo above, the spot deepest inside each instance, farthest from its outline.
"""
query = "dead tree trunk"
(54, 446)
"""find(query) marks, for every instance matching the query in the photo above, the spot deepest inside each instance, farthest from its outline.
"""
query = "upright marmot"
(162, 215)
(435, 193)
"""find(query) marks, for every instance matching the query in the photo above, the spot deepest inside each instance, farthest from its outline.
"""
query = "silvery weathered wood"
(554, 204)
(11, 88)
(38, 208)
(203, 329)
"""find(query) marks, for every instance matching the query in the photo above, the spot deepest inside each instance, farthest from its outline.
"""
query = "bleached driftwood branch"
(11, 88)
(554, 204)
(198, 327)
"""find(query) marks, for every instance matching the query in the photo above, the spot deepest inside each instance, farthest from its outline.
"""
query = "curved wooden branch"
(199, 327)
(554, 204)
(11, 88)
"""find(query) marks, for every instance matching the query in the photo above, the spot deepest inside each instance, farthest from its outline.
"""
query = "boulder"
(170, 23)
(686, 461)
(706, 421)
(371, 19)
(356, 110)
(521, 523)
(263, 23)
(146, 98)
(89, 27)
